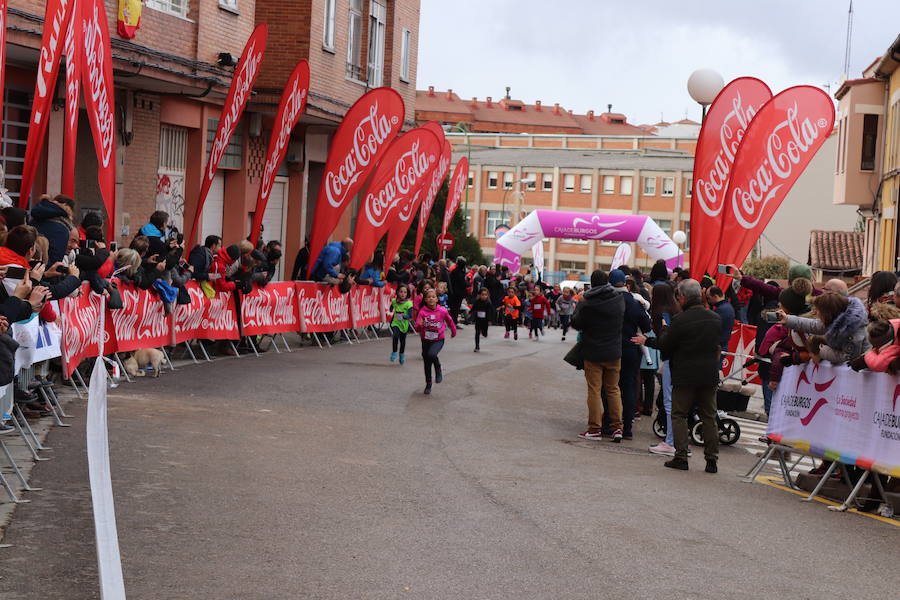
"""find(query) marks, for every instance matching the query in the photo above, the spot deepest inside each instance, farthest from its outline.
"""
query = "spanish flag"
(129, 18)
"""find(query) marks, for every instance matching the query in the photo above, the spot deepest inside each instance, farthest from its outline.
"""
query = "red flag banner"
(742, 346)
(361, 140)
(235, 102)
(454, 194)
(777, 146)
(81, 328)
(723, 129)
(100, 99)
(398, 230)
(271, 309)
(392, 189)
(73, 85)
(56, 17)
(437, 180)
(293, 101)
(3, 4)
(141, 323)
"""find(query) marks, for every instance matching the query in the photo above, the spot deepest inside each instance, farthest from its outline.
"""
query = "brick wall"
(141, 163)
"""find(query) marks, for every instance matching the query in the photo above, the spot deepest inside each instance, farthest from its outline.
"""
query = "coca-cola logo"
(189, 317)
(99, 89)
(408, 171)
(790, 143)
(311, 306)
(295, 100)
(371, 134)
(48, 61)
(141, 318)
(241, 86)
(366, 305)
(81, 331)
(220, 316)
(269, 308)
(709, 188)
(72, 74)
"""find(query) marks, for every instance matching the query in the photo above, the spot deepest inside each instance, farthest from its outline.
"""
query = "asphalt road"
(327, 474)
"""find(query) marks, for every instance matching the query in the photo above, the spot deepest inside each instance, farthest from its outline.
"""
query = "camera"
(62, 270)
(772, 317)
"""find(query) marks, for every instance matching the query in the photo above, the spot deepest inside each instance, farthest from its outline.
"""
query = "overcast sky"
(638, 54)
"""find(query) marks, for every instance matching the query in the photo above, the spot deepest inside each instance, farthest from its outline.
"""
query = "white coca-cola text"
(48, 61)
(408, 171)
(100, 89)
(295, 101)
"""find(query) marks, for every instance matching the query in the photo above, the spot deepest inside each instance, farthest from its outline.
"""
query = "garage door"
(214, 208)
(276, 214)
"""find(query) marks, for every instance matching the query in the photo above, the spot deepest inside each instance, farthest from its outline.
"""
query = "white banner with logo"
(838, 414)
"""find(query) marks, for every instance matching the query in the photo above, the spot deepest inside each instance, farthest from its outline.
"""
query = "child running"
(481, 309)
(401, 307)
(431, 322)
(511, 306)
(539, 308)
(565, 306)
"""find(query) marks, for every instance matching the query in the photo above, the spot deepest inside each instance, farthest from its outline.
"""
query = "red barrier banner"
(293, 101)
(454, 194)
(437, 180)
(56, 17)
(720, 137)
(778, 145)
(322, 308)
(81, 328)
(99, 98)
(187, 319)
(360, 141)
(271, 309)
(387, 294)
(742, 346)
(73, 84)
(140, 323)
(401, 225)
(235, 102)
(365, 305)
(220, 319)
(393, 190)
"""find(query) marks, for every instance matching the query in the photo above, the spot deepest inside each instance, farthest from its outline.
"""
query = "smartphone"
(34, 263)
(16, 272)
(772, 317)
(724, 269)
(113, 246)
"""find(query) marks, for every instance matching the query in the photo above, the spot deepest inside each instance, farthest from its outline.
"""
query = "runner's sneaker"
(476, 349)
(516, 335)
(563, 338)
(591, 435)
(617, 436)
(402, 359)
(663, 449)
(506, 336)
(438, 376)
(393, 356)
(427, 388)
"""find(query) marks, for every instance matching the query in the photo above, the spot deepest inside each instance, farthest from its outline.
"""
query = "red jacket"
(539, 307)
(878, 359)
(220, 264)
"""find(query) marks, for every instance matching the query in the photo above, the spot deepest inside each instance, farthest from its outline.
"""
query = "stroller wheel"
(659, 429)
(697, 433)
(729, 431)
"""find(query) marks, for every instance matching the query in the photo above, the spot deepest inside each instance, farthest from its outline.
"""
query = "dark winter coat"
(636, 318)
(201, 259)
(52, 222)
(691, 343)
(8, 348)
(725, 310)
(599, 318)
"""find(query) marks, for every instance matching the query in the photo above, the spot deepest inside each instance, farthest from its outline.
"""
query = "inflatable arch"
(542, 224)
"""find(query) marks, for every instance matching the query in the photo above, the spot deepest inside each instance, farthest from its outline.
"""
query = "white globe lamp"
(704, 85)
(679, 237)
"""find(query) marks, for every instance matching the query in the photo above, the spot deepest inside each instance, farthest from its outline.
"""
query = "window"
(586, 184)
(625, 185)
(377, 19)
(492, 180)
(573, 241)
(688, 187)
(668, 186)
(232, 158)
(178, 8)
(869, 136)
(328, 37)
(471, 180)
(16, 119)
(569, 183)
(507, 180)
(229, 5)
(170, 172)
(686, 228)
(404, 54)
(547, 182)
(571, 265)
(649, 186)
(492, 220)
(531, 182)
(665, 225)
(609, 184)
(354, 41)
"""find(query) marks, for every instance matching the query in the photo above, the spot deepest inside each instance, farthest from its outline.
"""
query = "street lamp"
(463, 129)
(704, 85)
(517, 181)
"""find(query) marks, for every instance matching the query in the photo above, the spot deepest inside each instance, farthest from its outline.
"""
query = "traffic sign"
(445, 242)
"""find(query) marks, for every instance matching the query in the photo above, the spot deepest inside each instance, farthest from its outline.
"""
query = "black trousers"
(481, 328)
(398, 338)
(564, 321)
(511, 324)
(430, 350)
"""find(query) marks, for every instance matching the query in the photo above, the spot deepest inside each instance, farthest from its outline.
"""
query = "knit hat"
(233, 251)
(792, 301)
(799, 271)
(616, 278)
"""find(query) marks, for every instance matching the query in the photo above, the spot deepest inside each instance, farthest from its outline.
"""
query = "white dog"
(146, 357)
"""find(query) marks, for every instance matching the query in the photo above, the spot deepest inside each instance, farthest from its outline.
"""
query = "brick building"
(169, 93)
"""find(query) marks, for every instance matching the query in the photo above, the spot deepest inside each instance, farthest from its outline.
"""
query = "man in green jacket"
(692, 345)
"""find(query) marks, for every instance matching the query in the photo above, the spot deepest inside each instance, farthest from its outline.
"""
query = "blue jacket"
(51, 220)
(330, 257)
(726, 312)
(373, 275)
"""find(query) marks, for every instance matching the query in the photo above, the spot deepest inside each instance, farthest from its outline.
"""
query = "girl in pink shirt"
(431, 322)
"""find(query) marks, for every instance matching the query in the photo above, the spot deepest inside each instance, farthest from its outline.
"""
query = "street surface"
(327, 474)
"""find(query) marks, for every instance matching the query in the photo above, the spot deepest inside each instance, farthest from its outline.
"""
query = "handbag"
(575, 357)
(115, 297)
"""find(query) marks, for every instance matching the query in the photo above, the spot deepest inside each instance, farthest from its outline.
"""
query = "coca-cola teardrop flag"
(235, 102)
(397, 231)
(99, 98)
(720, 137)
(56, 17)
(392, 189)
(454, 193)
(360, 141)
(437, 180)
(780, 141)
(73, 85)
(3, 4)
(293, 101)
